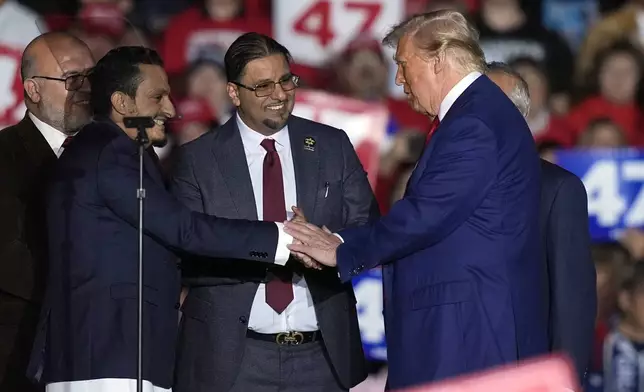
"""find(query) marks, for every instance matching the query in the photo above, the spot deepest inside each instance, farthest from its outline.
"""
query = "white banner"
(365, 123)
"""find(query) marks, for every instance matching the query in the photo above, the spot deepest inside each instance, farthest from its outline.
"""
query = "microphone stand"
(142, 140)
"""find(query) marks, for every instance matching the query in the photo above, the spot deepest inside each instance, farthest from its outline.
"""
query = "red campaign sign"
(316, 30)
(12, 108)
(365, 123)
(548, 374)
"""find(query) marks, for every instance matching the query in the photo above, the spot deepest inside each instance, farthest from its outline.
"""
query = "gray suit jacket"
(212, 176)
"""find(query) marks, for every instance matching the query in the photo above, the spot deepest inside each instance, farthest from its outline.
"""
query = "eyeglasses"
(72, 83)
(265, 89)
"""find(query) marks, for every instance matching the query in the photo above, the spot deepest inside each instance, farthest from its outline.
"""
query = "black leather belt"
(292, 338)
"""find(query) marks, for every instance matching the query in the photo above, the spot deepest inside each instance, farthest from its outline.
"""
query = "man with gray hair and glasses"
(460, 251)
(565, 243)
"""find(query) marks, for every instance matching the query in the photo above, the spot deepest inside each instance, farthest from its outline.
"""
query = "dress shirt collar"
(252, 139)
(54, 137)
(456, 92)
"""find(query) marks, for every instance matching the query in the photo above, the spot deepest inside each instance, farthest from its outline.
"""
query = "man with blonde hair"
(462, 271)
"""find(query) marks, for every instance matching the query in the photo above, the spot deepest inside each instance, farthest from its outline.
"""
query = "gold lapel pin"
(309, 143)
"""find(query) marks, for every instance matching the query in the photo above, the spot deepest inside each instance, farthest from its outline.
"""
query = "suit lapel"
(231, 160)
(307, 164)
(152, 165)
(35, 144)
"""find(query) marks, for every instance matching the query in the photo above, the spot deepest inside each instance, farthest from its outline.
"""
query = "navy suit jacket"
(89, 323)
(461, 250)
(571, 272)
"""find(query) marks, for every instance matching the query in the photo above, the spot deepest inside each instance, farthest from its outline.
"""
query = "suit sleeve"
(574, 305)
(171, 223)
(359, 203)
(184, 184)
(455, 180)
(16, 260)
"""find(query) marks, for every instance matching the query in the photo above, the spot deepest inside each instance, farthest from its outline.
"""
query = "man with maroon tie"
(249, 328)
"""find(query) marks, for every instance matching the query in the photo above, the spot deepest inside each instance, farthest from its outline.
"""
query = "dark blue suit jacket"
(88, 327)
(463, 274)
(571, 272)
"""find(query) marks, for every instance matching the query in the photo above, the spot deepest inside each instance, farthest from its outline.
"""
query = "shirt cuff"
(341, 239)
(282, 253)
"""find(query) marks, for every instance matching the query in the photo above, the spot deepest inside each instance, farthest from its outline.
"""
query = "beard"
(158, 137)
(69, 119)
(272, 124)
(161, 142)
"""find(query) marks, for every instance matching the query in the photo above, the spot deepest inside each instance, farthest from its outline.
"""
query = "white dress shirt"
(456, 92)
(300, 314)
(54, 137)
(103, 385)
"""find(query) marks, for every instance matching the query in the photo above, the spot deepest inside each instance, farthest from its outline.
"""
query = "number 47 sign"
(316, 30)
(614, 182)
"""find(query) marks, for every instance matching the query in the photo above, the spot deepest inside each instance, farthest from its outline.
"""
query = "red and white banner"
(553, 374)
(12, 108)
(315, 31)
(365, 123)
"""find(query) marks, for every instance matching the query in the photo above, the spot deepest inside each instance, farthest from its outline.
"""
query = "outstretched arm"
(455, 180)
(171, 223)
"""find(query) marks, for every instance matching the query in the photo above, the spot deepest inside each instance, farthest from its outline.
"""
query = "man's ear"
(439, 62)
(32, 90)
(233, 93)
(123, 104)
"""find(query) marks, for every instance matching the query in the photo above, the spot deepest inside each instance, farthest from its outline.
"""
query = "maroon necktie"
(67, 141)
(432, 129)
(279, 290)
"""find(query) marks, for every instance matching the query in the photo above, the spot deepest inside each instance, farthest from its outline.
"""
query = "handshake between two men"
(313, 246)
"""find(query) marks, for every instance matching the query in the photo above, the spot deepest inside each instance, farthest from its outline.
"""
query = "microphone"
(138, 122)
(141, 124)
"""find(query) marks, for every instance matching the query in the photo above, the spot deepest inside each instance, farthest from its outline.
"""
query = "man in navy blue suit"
(571, 294)
(88, 335)
(462, 270)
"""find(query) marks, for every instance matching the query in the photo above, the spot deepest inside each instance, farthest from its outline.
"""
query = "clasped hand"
(312, 246)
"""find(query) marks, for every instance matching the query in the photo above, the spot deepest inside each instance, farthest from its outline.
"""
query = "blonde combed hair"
(442, 32)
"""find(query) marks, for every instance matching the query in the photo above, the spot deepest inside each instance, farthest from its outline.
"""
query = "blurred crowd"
(583, 61)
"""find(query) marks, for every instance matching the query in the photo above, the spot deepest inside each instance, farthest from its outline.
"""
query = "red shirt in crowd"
(193, 29)
(628, 117)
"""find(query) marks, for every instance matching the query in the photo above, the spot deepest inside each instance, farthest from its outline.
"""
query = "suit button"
(177, 305)
(243, 320)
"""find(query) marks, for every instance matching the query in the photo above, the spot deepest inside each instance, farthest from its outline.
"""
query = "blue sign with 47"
(614, 182)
